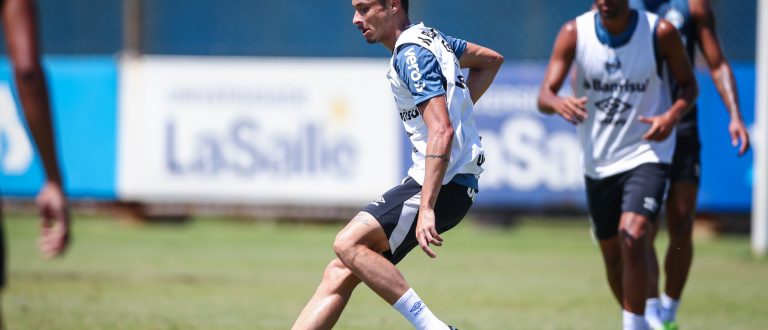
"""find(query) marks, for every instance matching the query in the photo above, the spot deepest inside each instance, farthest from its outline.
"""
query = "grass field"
(210, 274)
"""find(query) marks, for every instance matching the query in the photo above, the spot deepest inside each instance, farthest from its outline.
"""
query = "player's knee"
(343, 245)
(336, 271)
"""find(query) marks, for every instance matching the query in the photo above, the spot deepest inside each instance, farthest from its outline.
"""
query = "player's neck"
(391, 42)
(618, 24)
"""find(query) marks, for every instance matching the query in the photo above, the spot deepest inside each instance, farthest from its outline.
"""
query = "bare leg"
(653, 279)
(613, 266)
(359, 246)
(681, 205)
(635, 251)
(324, 308)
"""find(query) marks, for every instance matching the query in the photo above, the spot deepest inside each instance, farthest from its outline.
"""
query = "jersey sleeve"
(457, 45)
(419, 69)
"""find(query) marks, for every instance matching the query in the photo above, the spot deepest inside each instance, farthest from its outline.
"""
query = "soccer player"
(20, 27)
(435, 102)
(626, 123)
(695, 21)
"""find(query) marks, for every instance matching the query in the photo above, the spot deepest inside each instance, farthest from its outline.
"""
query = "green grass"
(210, 274)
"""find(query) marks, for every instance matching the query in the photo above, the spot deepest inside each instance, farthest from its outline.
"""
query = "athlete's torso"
(678, 13)
(410, 81)
(620, 77)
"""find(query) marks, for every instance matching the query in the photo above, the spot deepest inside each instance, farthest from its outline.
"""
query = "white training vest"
(466, 151)
(620, 84)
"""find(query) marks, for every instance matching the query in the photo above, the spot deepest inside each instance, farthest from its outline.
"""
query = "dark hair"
(403, 3)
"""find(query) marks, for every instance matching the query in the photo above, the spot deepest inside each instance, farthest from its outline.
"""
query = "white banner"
(256, 130)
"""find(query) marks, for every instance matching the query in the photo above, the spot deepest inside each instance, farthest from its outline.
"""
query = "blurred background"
(278, 113)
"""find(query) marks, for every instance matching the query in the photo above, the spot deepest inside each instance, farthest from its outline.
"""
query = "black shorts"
(640, 190)
(398, 209)
(686, 162)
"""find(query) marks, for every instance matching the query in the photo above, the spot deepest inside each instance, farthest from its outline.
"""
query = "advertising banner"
(257, 131)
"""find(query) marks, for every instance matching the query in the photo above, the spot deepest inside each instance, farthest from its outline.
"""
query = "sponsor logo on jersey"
(414, 72)
(613, 65)
(622, 86)
(408, 114)
(612, 108)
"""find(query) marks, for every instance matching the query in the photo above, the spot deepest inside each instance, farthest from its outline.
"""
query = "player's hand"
(54, 220)
(426, 233)
(661, 127)
(572, 109)
(738, 132)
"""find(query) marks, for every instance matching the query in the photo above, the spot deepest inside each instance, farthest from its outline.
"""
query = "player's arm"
(20, 26)
(672, 52)
(483, 64)
(563, 53)
(435, 115)
(720, 70)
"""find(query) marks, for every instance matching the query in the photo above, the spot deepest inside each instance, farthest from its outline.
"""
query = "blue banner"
(83, 92)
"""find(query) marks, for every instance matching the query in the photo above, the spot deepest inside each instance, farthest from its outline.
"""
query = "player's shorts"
(398, 209)
(640, 190)
(686, 162)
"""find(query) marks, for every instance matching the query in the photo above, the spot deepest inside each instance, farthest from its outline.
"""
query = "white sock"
(668, 308)
(634, 321)
(417, 312)
(653, 313)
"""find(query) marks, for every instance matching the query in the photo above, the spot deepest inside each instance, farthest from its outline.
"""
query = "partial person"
(20, 27)
(626, 125)
(695, 21)
(435, 103)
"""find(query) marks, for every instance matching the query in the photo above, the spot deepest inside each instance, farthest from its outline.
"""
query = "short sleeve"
(420, 70)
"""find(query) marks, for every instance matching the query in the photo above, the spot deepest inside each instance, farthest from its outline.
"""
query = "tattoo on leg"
(440, 156)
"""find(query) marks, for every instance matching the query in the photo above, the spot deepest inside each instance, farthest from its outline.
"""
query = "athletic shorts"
(640, 190)
(686, 162)
(398, 209)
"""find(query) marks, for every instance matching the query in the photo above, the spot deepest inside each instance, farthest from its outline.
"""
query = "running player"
(695, 21)
(435, 103)
(625, 121)
(20, 27)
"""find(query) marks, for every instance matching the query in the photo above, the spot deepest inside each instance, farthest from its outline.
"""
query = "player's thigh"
(395, 212)
(363, 229)
(686, 161)
(604, 203)
(644, 190)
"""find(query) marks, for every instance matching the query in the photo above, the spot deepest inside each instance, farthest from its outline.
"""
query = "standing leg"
(611, 251)
(681, 205)
(635, 251)
(324, 308)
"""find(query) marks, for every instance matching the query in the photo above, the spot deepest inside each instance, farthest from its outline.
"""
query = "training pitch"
(543, 273)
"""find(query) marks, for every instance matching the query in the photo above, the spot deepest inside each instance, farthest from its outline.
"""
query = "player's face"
(372, 19)
(610, 9)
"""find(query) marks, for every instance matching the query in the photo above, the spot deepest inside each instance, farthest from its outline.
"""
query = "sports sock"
(668, 308)
(417, 312)
(653, 313)
(633, 321)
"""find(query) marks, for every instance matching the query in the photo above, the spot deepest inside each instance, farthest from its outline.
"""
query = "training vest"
(466, 151)
(621, 83)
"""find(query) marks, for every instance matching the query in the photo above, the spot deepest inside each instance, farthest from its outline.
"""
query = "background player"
(624, 124)
(695, 21)
(435, 104)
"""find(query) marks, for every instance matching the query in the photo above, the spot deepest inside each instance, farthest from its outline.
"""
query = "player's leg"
(324, 308)
(642, 198)
(680, 207)
(652, 303)
(604, 203)
(634, 241)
